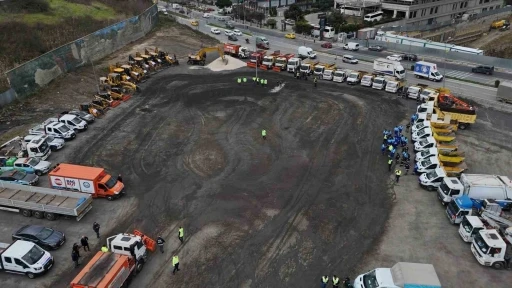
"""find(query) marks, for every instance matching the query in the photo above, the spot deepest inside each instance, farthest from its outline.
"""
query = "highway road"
(483, 95)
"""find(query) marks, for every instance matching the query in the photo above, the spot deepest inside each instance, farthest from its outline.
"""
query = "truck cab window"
(7, 260)
(102, 187)
(454, 192)
(20, 263)
(33, 149)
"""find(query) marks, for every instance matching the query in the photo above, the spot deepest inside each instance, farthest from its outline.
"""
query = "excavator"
(200, 57)
(166, 58)
(115, 80)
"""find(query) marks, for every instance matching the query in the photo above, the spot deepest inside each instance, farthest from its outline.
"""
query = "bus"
(375, 16)
(328, 31)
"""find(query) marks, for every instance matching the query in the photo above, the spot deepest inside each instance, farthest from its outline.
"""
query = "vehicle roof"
(22, 160)
(348, 56)
(464, 201)
(30, 229)
(9, 172)
(100, 270)
(492, 238)
(482, 179)
(452, 182)
(18, 249)
(475, 221)
(405, 274)
(70, 170)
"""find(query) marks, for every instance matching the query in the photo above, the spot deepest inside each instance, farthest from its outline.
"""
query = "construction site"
(313, 195)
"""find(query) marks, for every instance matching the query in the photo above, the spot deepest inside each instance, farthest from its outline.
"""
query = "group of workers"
(175, 259)
(335, 282)
(394, 139)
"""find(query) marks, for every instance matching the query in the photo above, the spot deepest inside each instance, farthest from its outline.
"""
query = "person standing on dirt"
(383, 149)
(85, 243)
(335, 281)
(76, 249)
(181, 234)
(120, 178)
(390, 163)
(315, 81)
(239, 80)
(160, 242)
(96, 228)
(175, 263)
(264, 134)
(398, 173)
(325, 280)
(74, 257)
(407, 167)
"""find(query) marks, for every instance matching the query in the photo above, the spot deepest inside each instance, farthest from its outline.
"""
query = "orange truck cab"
(91, 180)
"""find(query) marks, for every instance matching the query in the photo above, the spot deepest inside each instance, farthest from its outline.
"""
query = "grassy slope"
(61, 9)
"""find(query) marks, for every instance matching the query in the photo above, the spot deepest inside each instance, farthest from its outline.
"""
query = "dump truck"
(126, 257)
(43, 202)
(464, 117)
(401, 275)
(282, 62)
(505, 92)
(340, 75)
(269, 60)
(256, 58)
(26, 258)
(395, 86)
(16, 147)
(90, 180)
(367, 80)
(308, 66)
(355, 77)
(293, 65)
(432, 163)
(321, 67)
(236, 50)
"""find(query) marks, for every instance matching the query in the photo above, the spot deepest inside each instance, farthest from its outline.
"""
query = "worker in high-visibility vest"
(335, 281)
(175, 263)
(245, 80)
(264, 134)
(239, 80)
(325, 280)
(181, 233)
(104, 249)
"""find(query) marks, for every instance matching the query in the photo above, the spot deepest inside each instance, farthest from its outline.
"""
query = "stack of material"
(220, 65)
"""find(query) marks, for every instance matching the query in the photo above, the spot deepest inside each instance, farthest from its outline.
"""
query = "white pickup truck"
(55, 129)
(23, 257)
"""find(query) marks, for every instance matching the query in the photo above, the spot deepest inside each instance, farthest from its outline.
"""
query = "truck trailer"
(401, 275)
(43, 202)
(91, 180)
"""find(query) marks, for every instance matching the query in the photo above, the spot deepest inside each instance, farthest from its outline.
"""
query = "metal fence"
(29, 77)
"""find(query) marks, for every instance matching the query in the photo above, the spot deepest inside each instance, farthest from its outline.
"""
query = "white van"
(26, 258)
(206, 15)
(351, 46)
(306, 52)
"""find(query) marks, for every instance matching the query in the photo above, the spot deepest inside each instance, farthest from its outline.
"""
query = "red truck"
(91, 180)
(236, 50)
(256, 58)
(282, 62)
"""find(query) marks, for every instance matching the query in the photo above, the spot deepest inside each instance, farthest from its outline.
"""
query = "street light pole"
(445, 52)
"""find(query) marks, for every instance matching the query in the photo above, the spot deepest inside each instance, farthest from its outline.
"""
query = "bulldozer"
(127, 73)
(146, 59)
(113, 99)
(92, 109)
(139, 62)
(115, 80)
(200, 57)
(153, 56)
(166, 58)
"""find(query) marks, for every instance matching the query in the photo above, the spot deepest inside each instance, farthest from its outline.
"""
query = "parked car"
(394, 57)
(82, 115)
(237, 32)
(206, 15)
(289, 22)
(46, 238)
(55, 143)
(349, 59)
(215, 31)
(232, 37)
(194, 23)
(375, 48)
(19, 177)
(326, 45)
(484, 69)
(228, 32)
(410, 57)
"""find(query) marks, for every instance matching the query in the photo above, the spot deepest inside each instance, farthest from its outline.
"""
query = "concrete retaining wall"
(31, 76)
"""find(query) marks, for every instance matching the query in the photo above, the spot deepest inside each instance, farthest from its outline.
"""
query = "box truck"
(91, 180)
(389, 67)
(402, 275)
(427, 70)
(23, 257)
(478, 186)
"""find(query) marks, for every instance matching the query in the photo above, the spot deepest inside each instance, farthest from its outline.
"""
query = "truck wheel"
(38, 214)
(38, 173)
(110, 198)
(26, 213)
(50, 216)
(140, 265)
(31, 275)
(430, 188)
(463, 126)
(498, 265)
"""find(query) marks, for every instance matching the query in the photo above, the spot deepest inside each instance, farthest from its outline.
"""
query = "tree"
(323, 5)
(302, 27)
(273, 12)
(271, 23)
(336, 20)
(223, 3)
(294, 12)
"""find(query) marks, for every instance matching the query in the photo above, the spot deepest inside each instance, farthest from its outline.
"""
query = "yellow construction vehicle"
(113, 99)
(146, 60)
(127, 72)
(200, 57)
(153, 56)
(136, 76)
(164, 56)
(115, 80)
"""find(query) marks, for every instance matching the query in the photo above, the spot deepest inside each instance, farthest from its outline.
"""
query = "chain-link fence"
(27, 78)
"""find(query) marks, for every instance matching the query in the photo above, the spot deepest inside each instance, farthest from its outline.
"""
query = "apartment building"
(421, 12)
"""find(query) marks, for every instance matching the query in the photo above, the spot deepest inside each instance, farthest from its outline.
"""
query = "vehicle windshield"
(420, 126)
(423, 142)
(50, 138)
(304, 67)
(401, 71)
(426, 163)
(424, 154)
(327, 72)
(76, 120)
(367, 77)
(33, 255)
(413, 90)
(421, 132)
(425, 93)
(453, 207)
(480, 243)
(267, 58)
(44, 233)
(33, 161)
(466, 225)
(18, 175)
(353, 75)
(111, 182)
(437, 73)
(378, 81)
(293, 62)
(391, 84)
(370, 280)
(338, 73)
(431, 175)
(44, 146)
(281, 61)
(319, 69)
(63, 128)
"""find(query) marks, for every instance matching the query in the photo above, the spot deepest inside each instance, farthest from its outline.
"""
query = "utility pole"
(445, 53)
(95, 77)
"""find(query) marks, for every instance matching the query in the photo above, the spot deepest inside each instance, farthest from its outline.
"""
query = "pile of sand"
(221, 65)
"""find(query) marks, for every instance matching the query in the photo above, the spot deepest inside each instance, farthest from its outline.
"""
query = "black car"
(47, 238)
(232, 38)
(410, 57)
(483, 69)
(375, 48)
